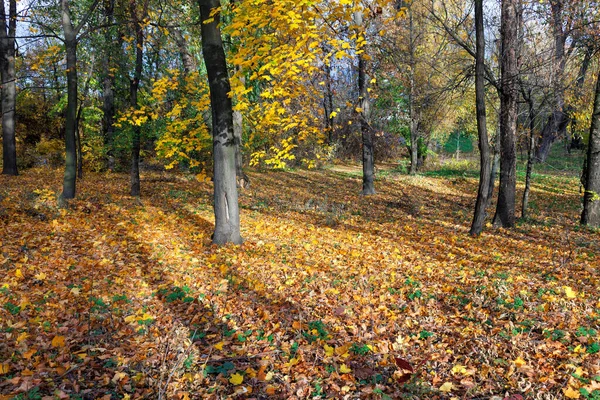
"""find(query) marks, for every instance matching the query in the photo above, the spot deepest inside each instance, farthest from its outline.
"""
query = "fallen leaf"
(236, 379)
(4, 368)
(571, 294)
(344, 369)
(446, 387)
(58, 341)
(571, 393)
(519, 362)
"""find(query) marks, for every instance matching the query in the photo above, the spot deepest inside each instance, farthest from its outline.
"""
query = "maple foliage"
(332, 294)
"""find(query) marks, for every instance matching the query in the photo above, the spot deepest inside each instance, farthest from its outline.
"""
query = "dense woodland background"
(403, 195)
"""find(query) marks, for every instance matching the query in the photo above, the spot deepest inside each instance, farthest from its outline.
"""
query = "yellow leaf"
(4, 368)
(459, 369)
(344, 369)
(58, 341)
(292, 362)
(446, 387)
(219, 346)
(236, 379)
(22, 337)
(41, 276)
(340, 351)
(571, 393)
(328, 351)
(130, 319)
(519, 362)
(570, 293)
(18, 273)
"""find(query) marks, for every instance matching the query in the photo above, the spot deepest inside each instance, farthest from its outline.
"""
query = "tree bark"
(9, 88)
(591, 198)
(70, 178)
(530, 155)
(189, 64)
(495, 163)
(509, 31)
(108, 86)
(134, 85)
(328, 96)
(86, 88)
(368, 161)
(484, 146)
(227, 220)
(414, 138)
(557, 123)
(242, 179)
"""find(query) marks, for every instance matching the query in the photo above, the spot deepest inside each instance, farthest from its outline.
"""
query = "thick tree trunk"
(71, 117)
(368, 161)
(134, 85)
(591, 198)
(484, 146)
(9, 88)
(227, 220)
(530, 155)
(510, 23)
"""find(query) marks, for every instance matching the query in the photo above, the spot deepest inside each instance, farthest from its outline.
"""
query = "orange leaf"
(58, 341)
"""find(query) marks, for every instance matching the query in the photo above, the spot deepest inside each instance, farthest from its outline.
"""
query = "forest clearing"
(333, 294)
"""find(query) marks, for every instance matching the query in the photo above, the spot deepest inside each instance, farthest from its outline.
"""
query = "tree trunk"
(86, 88)
(576, 141)
(227, 219)
(189, 64)
(368, 161)
(414, 139)
(591, 197)
(9, 88)
(71, 117)
(557, 123)
(108, 87)
(134, 85)
(328, 97)
(484, 146)
(530, 155)
(242, 179)
(510, 23)
(495, 166)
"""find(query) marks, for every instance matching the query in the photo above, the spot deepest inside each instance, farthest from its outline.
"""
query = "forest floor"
(332, 295)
